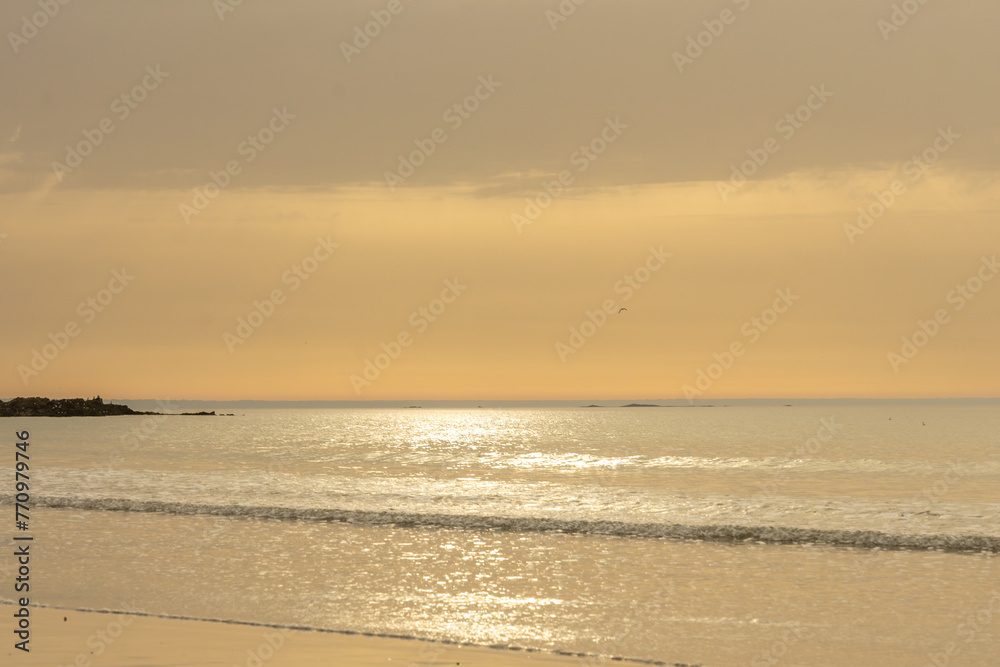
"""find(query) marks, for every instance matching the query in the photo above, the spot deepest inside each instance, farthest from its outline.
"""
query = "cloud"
(356, 118)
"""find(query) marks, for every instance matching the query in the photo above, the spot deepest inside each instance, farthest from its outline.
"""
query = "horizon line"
(680, 400)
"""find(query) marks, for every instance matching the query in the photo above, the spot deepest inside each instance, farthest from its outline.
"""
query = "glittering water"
(707, 535)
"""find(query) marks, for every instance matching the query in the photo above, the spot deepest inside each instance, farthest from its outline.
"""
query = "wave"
(767, 463)
(765, 534)
(595, 657)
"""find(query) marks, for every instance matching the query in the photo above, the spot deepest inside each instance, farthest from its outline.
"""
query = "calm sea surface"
(820, 535)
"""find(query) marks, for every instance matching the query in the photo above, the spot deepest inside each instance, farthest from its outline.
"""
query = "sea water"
(741, 535)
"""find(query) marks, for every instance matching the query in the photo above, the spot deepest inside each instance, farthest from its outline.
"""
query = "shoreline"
(112, 638)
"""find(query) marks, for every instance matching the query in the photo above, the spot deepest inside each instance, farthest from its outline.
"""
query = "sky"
(499, 199)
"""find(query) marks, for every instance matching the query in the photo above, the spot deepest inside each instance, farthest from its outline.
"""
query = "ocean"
(741, 535)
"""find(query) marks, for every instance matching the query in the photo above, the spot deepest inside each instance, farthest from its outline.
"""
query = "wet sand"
(92, 639)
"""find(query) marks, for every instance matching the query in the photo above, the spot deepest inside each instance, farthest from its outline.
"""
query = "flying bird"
(622, 310)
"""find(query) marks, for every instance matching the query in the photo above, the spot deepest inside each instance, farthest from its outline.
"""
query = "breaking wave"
(765, 534)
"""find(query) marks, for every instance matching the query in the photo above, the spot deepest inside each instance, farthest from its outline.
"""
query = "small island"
(71, 407)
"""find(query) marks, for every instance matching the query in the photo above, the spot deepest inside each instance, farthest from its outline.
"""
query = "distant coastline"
(231, 405)
(72, 407)
(224, 408)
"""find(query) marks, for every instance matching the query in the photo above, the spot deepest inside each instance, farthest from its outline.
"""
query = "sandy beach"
(94, 639)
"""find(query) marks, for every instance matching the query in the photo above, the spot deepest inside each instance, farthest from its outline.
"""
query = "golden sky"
(208, 200)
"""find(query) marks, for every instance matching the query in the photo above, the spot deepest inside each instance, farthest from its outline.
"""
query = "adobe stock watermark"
(294, 277)
(640, 620)
(561, 14)
(926, 499)
(429, 654)
(778, 648)
(133, 439)
(626, 287)
(699, 43)
(138, 434)
(957, 298)
(248, 149)
(88, 310)
(101, 641)
(454, 116)
(915, 169)
(223, 7)
(931, 495)
(272, 642)
(753, 329)
(32, 24)
(420, 320)
(828, 429)
(900, 16)
(786, 126)
(363, 36)
(122, 108)
(972, 626)
(581, 158)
